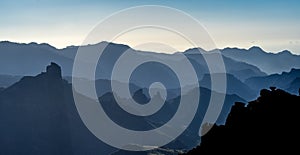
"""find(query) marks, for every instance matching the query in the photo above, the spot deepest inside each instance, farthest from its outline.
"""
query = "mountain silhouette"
(23, 54)
(43, 105)
(43, 54)
(283, 81)
(239, 69)
(188, 139)
(269, 63)
(38, 116)
(266, 125)
(17, 59)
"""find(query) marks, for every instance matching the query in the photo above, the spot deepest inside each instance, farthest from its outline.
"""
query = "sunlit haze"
(273, 25)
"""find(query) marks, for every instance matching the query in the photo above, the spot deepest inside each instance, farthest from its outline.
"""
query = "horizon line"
(162, 52)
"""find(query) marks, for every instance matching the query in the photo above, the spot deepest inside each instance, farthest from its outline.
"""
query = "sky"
(272, 25)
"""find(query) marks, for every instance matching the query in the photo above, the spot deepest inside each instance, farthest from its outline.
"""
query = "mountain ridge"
(269, 63)
(201, 49)
(283, 81)
(25, 53)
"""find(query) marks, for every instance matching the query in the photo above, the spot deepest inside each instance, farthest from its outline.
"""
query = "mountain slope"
(8, 80)
(234, 86)
(294, 86)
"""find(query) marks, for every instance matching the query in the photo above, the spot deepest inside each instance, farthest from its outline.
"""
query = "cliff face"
(268, 124)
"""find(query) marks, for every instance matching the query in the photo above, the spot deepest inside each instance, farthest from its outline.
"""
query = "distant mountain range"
(28, 59)
(288, 81)
(38, 114)
(239, 62)
(17, 60)
(269, 63)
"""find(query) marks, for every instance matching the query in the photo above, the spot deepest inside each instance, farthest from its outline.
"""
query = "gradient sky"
(271, 24)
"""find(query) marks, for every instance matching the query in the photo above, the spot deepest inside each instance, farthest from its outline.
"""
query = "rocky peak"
(54, 70)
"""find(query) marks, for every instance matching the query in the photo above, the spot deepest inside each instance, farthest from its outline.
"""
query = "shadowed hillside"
(268, 124)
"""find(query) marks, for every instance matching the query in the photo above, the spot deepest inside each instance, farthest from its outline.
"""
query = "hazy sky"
(271, 24)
